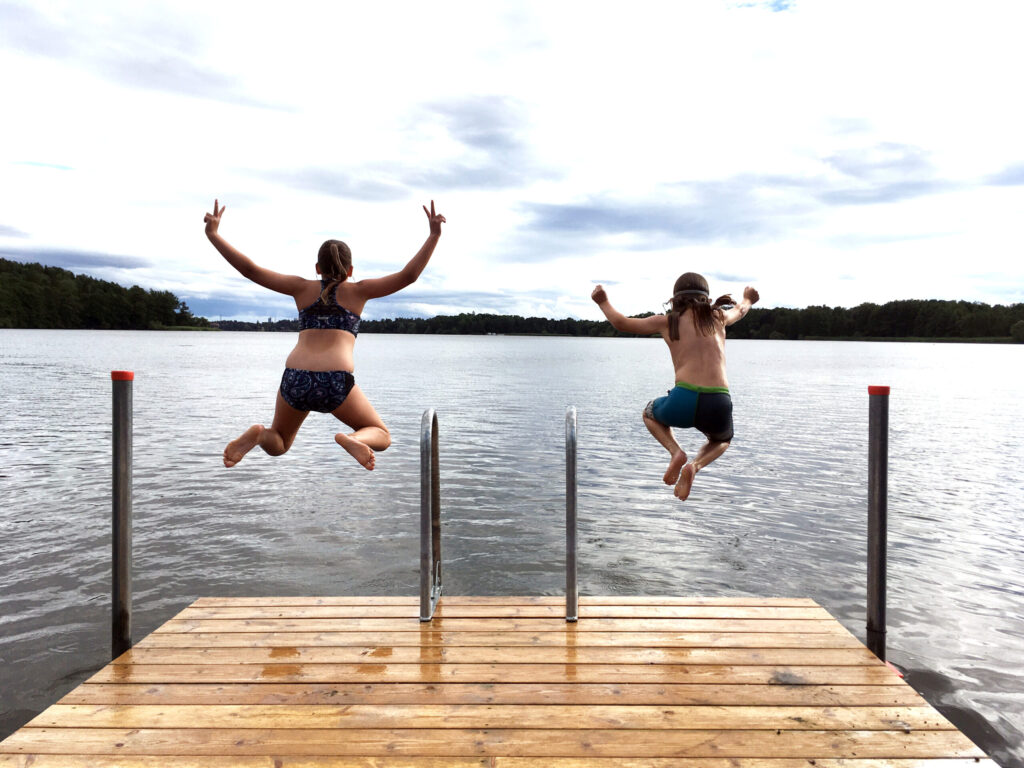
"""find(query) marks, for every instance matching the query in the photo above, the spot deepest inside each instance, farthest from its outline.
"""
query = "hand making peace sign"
(213, 219)
(435, 219)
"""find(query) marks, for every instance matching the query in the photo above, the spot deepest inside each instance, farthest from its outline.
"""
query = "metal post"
(571, 583)
(878, 492)
(121, 538)
(430, 517)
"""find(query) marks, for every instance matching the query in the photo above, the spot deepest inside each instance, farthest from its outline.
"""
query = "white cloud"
(807, 146)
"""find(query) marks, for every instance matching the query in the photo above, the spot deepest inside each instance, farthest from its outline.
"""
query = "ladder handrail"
(430, 517)
(571, 582)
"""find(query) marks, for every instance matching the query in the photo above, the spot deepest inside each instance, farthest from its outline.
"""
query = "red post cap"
(122, 375)
(894, 668)
(878, 390)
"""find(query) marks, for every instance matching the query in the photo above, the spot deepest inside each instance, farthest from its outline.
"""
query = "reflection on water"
(781, 514)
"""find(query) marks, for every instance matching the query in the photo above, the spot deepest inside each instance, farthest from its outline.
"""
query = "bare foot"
(237, 449)
(360, 451)
(672, 473)
(685, 481)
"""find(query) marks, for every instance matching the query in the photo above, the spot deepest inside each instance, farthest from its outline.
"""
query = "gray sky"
(826, 152)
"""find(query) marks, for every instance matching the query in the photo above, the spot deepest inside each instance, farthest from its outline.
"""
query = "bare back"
(698, 360)
(326, 349)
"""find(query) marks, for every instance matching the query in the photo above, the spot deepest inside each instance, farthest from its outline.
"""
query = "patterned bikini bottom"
(321, 391)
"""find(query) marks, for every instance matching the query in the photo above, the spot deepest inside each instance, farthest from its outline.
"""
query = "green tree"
(34, 296)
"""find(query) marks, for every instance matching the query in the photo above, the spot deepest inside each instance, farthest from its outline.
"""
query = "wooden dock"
(497, 682)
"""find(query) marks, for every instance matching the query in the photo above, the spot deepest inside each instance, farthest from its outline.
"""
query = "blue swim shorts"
(709, 409)
(321, 391)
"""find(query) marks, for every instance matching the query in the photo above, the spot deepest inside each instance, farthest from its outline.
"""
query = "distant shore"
(27, 294)
(904, 339)
(917, 339)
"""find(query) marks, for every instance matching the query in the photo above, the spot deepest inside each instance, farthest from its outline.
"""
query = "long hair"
(334, 260)
(691, 293)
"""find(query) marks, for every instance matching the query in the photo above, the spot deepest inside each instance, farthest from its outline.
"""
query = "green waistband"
(702, 390)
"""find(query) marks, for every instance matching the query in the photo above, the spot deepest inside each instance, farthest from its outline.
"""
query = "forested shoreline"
(36, 296)
(909, 320)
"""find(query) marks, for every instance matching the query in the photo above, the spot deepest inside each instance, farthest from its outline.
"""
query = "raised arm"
(643, 326)
(738, 312)
(275, 281)
(385, 286)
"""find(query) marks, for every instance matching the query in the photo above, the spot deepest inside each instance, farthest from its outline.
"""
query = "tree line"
(904, 319)
(909, 319)
(472, 323)
(467, 323)
(34, 296)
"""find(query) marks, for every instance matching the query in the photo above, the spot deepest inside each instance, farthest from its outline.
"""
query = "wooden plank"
(504, 612)
(288, 761)
(430, 638)
(429, 742)
(215, 761)
(894, 694)
(737, 762)
(240, 761)
(494, 673)
(832, 657)
(406, 600)
(489, 716)
(809, 626)
(584, 600)
(685, 600)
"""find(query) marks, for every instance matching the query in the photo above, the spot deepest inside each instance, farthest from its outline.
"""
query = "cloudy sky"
(826, 152)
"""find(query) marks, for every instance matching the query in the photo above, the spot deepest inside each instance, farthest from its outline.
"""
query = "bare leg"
(707, 453)
(370, 432)
(287, 420)
(663, 434)
(275, 441)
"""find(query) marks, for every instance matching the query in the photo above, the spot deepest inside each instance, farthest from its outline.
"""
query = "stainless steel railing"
(430, 517)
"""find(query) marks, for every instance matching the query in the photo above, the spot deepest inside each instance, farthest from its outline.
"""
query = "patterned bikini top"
(328, 315)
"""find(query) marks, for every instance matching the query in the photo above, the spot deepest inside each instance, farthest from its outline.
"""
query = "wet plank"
(488, 716)
(507, 742)
(675, 694)
(450, 600)
(808, 626)
(290, 761)
(505, 612)
(493, 673)
(835, 657)
(427, 637)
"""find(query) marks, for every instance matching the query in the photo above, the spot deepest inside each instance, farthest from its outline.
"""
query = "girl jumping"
(318, 372)
(694, 330)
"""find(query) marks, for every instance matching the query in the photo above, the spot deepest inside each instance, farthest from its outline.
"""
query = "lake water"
(783, 513)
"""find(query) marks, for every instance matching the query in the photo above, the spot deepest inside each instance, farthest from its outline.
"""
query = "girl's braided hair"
(334, 260)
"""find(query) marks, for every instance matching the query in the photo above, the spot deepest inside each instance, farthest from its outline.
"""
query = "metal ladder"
(430, 517)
